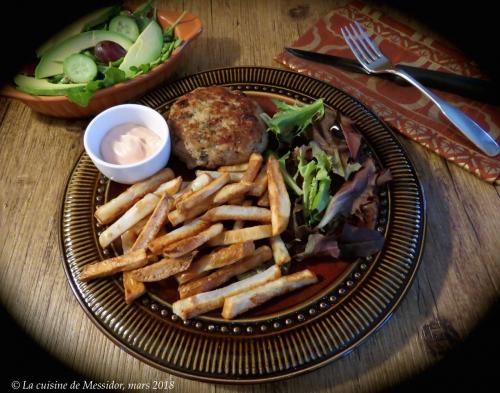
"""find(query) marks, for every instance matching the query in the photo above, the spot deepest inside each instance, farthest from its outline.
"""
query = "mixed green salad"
(108, 46)
(332, 180)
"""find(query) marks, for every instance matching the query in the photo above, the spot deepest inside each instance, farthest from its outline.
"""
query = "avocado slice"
(42, 87)
(146, 48)
(52, 62)
(82, 24)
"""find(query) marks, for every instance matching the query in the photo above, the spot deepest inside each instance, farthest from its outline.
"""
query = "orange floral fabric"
(402, 107)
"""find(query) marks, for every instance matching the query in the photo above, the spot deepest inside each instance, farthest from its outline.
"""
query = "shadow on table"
(70, 125)
(226, 53)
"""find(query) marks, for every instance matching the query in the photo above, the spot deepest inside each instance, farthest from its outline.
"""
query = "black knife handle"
(477, 89)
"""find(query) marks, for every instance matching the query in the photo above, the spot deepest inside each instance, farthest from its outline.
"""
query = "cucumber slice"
(124, 25)
(80, 68)
(51, 62)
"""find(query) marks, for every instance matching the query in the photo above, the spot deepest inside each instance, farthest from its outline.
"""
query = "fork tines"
(360, 43)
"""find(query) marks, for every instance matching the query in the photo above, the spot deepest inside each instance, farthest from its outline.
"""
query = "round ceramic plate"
(292, 334)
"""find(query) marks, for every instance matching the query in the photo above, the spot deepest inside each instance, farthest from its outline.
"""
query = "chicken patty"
(214, 126)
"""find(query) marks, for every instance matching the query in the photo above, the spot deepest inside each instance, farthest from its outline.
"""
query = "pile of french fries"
(203, 233)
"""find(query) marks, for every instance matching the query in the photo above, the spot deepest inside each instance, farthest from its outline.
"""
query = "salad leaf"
(365, 206)
(359, 242)
(322, 193)
(320, 245)
(339, 159)
(315, 181)
(141, 14)
(352, 137)
(79, 96)
(292, 120)
(353, 242)
(112, 75)
(350, 168)
(322, 133)
(167, 49)
(343, 200)
(289, 180)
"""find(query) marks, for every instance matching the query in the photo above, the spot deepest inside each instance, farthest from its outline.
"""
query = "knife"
(476, 89)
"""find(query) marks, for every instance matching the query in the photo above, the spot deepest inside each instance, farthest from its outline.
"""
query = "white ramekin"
(127, 113)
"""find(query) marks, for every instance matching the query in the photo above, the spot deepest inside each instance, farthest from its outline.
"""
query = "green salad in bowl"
(108, 46)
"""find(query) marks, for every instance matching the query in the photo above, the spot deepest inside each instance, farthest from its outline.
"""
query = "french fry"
(133, 288)
(233, 168)
(193, 228)
(200, 182)
(238, 190)
(254, 164)
(176, 217)
(185, 246)
(263, 200)
(128, 239)
(113, 209)
(136, 213)
(244, 301)
(137, 228)
(108, 267)
(203, 193)
(229, 255)
(233, 176)
(260, 184)
(163, 269)
(155, 222)
(279, 200)
(241, 235)
(240, 223)
(280, 252)
(183, 191)
(236, 201)
(170, 187)
(235, 212)
(220, 276)
(216, 259)
(207, 301)
(231, 191)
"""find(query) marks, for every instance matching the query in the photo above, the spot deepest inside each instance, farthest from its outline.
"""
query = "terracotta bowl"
(59, 106)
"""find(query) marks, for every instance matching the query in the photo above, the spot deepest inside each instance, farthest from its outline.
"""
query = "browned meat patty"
(213, 126)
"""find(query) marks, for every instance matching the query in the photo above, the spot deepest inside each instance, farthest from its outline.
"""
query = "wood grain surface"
(458, 280)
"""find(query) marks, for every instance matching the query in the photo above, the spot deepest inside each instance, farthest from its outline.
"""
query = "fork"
(374, 62)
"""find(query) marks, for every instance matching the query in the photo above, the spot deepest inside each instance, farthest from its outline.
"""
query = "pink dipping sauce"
(129, 143)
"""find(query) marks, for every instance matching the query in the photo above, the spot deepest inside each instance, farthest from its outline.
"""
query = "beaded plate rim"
(291, 83)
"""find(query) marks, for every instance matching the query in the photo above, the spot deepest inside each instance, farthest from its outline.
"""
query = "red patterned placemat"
(402, 107)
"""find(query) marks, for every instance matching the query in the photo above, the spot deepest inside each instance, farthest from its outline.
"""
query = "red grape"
(106, 51)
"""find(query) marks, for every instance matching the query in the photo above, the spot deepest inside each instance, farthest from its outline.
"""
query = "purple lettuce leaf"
(352, 137)
(365, 206)
(342, 202)
(357, 242)
(320, 245)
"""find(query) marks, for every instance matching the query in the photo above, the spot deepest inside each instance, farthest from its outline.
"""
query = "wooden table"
(458, 280)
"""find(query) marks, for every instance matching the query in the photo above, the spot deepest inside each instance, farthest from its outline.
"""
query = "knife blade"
(476, 89)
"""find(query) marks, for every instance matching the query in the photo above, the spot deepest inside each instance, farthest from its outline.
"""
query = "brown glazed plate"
(291, 335)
